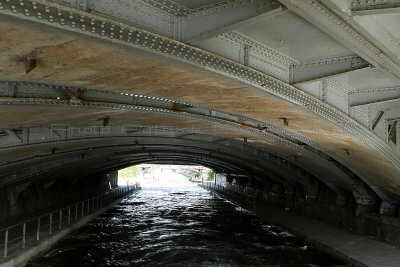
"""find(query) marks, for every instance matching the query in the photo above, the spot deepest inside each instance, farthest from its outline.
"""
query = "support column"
(398, 137)
(365, 201)
(341, 199)
(312, 188)
(388, 208)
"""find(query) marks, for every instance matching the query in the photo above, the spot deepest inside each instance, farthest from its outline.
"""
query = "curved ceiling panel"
(75, 83)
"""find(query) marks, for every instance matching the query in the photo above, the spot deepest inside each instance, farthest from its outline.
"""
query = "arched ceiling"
(288, 91)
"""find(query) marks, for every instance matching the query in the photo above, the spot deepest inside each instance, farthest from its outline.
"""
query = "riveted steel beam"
(325, 68)
(79, 4)
(137, 13)
(91, 97)
(374, 96)
(62, 17)
(14, 135)
(337, 24)
(247, 151)
(377, 119)
(238, 125)
(238, 47)
(392, 114)
(211, 22)
(143, 152)
(398, 138)
(376, 7)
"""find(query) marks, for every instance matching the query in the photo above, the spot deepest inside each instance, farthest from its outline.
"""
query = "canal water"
(173, 222)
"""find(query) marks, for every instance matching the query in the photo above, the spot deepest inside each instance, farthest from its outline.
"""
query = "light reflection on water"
(173, 222)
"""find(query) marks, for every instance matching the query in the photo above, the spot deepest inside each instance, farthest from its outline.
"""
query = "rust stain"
(30, 64)
(87, 62)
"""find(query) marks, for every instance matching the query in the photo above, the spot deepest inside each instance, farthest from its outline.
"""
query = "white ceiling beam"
(392, 114)
(374, 96)
(367, 7)
(211, 22)
(324, 68)
(338, 27)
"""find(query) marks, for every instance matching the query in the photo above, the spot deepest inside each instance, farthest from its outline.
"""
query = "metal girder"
(392, 132)
(191, 55)
(107, 160)
(185, 25)
(325, 68)
(374, 96)
(377, 119)
(238, 47)
(392, 114)
(338, 25)
(155, 104)
(137, 13)
(98, 131)
(398, 138)
(79, 4)
(208, 23)
(198, 57)
(251, 154)
(14, 135)
(143, 103)
(367, 7)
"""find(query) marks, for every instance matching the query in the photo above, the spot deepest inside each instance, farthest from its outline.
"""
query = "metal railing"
(31, 231)
(245, 195)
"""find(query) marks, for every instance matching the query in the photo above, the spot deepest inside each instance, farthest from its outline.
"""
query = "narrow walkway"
(358, 250)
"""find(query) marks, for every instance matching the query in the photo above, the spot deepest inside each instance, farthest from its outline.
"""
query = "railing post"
(60, 221)
(83, 208)
(5, 242)
(38, 229)
(51, 222)
(76, 211)
(23, 234)
(88, 206)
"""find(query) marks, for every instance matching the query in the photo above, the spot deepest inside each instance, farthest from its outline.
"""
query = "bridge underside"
(83, 92)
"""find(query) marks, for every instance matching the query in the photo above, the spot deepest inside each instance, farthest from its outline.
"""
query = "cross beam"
(338, 26)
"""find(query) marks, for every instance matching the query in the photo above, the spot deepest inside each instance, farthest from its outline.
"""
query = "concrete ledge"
(29, 253)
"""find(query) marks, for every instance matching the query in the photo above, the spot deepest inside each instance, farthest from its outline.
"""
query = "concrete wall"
(326, 206)
(24, 200)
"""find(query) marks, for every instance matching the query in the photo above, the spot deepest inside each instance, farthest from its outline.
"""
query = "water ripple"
(184, 226)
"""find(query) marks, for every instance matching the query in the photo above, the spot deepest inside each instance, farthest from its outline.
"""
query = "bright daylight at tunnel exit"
(199, 133)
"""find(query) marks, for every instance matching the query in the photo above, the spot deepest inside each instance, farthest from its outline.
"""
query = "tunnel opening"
(164, 175)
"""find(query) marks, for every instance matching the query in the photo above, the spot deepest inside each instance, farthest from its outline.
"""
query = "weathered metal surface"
(192, 88)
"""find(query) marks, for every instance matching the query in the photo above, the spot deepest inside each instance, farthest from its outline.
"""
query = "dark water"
(181, 226)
